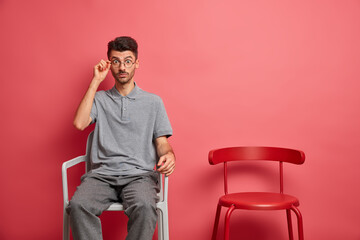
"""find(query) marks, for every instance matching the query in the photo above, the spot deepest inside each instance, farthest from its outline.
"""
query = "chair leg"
(216, 224)
(300, 222)
(160, 225)
(66, 226)
(227, 218)
(163, 224)
(288, 214)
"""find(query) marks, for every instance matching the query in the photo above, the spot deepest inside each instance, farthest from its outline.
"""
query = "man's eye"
(128, 61)
(115, 61)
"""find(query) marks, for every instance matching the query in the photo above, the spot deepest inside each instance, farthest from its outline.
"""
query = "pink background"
(276, 73)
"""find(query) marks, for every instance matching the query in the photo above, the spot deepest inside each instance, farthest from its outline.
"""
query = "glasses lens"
(128, 63)
(115, 63)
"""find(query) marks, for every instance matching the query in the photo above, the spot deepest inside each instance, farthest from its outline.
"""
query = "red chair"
(257, 200)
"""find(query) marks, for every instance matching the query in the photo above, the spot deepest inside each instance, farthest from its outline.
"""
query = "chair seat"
(259, 201)
(116, 207)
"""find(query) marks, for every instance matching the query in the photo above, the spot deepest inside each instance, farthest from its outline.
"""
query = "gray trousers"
(97, 192)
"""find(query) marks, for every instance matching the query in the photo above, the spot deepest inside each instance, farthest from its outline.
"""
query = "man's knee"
(77, 206)
(147, 206)
(74, 206)
(143, 208)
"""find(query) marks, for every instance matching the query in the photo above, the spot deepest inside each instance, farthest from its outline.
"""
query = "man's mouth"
(122, 74)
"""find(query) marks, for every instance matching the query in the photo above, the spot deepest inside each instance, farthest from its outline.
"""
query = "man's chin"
(123, 80)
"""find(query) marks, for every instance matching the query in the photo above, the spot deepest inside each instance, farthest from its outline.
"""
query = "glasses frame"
(121, 63)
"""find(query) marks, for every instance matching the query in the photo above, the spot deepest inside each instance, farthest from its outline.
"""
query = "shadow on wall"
(256, 225)
(114, 225)
(245, 176)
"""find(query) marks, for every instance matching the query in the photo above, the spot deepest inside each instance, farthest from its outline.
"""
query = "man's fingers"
(103, 65)
(163, 165)
(170, 171)
(166, 165)
(161, 161)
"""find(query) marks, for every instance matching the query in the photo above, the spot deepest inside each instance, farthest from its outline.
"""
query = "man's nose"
(122, 66)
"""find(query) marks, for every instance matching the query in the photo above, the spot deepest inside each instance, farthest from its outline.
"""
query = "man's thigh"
(95, 193)
(143, 189)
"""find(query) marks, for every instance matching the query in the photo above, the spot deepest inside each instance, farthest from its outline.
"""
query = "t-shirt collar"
(132, 95)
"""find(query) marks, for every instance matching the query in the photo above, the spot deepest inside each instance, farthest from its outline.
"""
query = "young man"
(130, 138)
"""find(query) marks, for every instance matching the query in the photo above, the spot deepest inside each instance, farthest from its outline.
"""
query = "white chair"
(162, 209)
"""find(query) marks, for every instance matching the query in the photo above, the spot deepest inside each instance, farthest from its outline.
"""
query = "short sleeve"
(94, 112)
(162, 123)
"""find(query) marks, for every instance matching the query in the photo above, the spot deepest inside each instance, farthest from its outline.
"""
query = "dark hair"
(122, 44)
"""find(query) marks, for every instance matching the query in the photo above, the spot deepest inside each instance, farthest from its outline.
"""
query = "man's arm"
(82, 117)
(166, 162)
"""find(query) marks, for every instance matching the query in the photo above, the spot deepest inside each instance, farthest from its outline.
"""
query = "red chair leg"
(288, 214)
(216, 224)
(300, 222)
(227, 219)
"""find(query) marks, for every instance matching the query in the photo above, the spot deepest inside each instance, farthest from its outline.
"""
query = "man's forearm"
(82, 117)
(164, 148)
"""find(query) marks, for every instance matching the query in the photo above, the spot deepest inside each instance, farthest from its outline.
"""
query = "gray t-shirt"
(126, 127)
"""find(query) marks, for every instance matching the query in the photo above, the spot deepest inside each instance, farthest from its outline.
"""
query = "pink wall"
(277, 73)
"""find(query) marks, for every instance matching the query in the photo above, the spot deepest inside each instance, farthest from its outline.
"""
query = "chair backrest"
(256, 153)
(224, 155)
(88, 149)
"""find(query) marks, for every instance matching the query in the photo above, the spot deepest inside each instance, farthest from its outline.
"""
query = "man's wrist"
(95, 83)
(171, 153)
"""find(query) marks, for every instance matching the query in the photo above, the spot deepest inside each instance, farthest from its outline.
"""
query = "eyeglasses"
(117, 63)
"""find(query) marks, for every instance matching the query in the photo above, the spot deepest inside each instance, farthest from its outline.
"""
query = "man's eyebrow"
(113, 57)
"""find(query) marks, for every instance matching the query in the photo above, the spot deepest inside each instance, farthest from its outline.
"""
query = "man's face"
(123, 65)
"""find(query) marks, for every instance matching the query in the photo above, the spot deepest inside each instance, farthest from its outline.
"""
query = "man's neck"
(126, 88)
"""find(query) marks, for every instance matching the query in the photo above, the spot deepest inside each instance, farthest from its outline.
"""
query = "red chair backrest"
(256, 153)
(224, 155)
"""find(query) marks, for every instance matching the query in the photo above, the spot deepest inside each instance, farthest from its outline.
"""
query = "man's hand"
(166, 164)
(101, 70)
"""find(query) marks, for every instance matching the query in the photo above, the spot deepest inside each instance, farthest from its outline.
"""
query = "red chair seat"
(259, 201)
